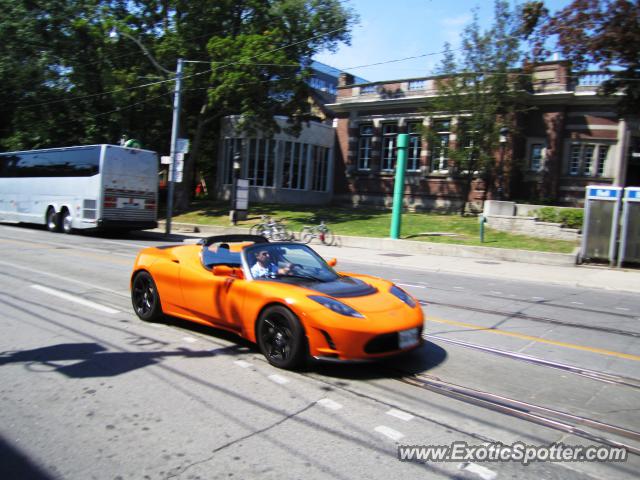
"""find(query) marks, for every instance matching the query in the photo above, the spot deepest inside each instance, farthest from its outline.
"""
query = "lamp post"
(504, 132)
(175, 127)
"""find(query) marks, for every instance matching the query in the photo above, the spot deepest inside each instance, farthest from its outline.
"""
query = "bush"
(568, 217)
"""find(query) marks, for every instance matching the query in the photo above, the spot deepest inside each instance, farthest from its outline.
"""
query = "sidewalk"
(486, 262)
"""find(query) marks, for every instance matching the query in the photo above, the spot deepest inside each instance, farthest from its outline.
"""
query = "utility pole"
(175, 127)
(398, 188)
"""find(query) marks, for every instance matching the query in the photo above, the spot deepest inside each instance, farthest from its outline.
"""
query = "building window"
(417, 85)
(368, 89)
(294, 165)
(389, 147)
(535, 157)
(364, 147)
(415, 146)
(231, 147)
(588, 159)
(320, 162)
(440, 148)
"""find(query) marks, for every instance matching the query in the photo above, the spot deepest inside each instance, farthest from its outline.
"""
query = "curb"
(411, 246)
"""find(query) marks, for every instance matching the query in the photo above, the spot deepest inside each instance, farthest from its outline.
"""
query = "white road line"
(73, 298)
(537, 298)
(278, 379)
(189, 339)
(458, 288)
(410, 285)
(60, 277)
(482, 472)
(496, 293)
(389, 432)
(577, 303)
(622, 309)
(243, 364)
(134, 245)
(400, 414)
(330, 404)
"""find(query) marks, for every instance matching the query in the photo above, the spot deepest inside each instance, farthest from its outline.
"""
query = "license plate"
(408, 338)
(124, 202)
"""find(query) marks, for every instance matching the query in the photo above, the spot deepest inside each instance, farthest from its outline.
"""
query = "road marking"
(496, 293)
(482, 472)
(135, 245)
(410, 285)
(537, 298)
(622, 308)
(60, 277)
(522, 336)
(278, 379)
(243, 364)
(389, 432)
(330, 404)
(577, 303)
(400, 414)
(73, 298)
(459, 288)
(189, 339)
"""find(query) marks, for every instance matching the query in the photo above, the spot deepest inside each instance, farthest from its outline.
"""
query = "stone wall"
(532, 227)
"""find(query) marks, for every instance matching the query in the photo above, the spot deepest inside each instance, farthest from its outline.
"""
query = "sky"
(396, 29)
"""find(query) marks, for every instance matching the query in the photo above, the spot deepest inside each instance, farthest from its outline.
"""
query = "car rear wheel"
(281, 338)
(145, 298)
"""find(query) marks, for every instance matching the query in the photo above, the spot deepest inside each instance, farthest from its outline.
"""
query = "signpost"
(398, 188)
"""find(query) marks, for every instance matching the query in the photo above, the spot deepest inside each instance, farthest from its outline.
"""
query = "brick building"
(571, 137)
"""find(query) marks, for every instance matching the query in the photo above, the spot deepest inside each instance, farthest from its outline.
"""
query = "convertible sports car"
(282, 296)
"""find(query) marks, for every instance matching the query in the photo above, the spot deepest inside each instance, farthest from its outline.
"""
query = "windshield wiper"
(299, 275)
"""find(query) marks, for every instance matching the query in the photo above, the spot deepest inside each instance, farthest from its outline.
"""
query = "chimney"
(345, 79)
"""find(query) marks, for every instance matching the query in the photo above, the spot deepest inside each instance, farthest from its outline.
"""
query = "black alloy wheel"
(145, 298)
(281, 338)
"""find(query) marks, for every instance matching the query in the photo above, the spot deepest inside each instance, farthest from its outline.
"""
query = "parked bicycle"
(321, 232)
(274, 230)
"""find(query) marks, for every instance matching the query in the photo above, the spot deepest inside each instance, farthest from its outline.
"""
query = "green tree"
(481, 92)
(605, 33)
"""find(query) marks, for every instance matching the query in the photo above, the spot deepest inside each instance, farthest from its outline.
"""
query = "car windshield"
(287, 261)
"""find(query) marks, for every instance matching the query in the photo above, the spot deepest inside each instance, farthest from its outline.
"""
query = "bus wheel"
(52, 220)
(66, 222)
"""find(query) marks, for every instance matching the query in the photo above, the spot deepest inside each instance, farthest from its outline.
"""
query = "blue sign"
(603, 193)
(632, 195)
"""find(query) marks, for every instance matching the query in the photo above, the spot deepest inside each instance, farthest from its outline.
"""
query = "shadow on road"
(16, 465)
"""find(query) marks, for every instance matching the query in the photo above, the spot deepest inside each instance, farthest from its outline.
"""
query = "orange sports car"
(282, 296)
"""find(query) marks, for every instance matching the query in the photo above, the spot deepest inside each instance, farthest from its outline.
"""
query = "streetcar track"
(584, 372)
(535, 318)
(544, 416)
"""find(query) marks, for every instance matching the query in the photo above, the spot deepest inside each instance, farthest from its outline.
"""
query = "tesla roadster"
(282, 296)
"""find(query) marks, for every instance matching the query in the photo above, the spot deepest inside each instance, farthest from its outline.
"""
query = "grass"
(372, 222)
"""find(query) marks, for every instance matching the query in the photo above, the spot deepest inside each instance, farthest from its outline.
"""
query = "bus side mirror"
(228, 271)
(333, 262)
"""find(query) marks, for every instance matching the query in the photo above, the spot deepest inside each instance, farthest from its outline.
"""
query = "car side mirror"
(228, 271)
(333, 262)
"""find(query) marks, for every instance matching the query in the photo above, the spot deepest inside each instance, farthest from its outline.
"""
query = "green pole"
(398, 188)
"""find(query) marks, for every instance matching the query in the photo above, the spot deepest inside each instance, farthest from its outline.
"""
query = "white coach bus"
(89, 187)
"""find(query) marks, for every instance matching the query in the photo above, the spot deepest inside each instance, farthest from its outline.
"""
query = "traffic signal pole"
(398, 188)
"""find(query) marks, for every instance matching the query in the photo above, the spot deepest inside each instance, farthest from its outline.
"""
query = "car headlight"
(336, 306)
(402, 295)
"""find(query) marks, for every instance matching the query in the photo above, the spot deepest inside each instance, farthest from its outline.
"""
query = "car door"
(214, 299)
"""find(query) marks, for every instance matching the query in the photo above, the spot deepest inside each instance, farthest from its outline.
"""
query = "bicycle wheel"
(256, 229)
(326, 236)
(306, 234)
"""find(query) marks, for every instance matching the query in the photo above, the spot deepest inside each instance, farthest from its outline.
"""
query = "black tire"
(327, 237)
(145, 298)
(306, 235)
(281, 338)
(52, 220)
(65, 222)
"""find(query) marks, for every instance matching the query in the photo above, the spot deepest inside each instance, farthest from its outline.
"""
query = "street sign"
(182, 145)
(165, 160)
(179, 168)
(603, 192)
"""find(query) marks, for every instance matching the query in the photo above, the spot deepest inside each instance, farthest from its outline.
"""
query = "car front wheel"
(281, 338)
(145, 298)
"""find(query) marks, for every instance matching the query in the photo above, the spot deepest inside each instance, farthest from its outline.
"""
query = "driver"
(265, 267)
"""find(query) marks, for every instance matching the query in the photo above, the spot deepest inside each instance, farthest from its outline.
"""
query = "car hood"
(343, 287)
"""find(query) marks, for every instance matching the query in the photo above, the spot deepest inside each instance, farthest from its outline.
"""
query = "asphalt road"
(89, 391)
